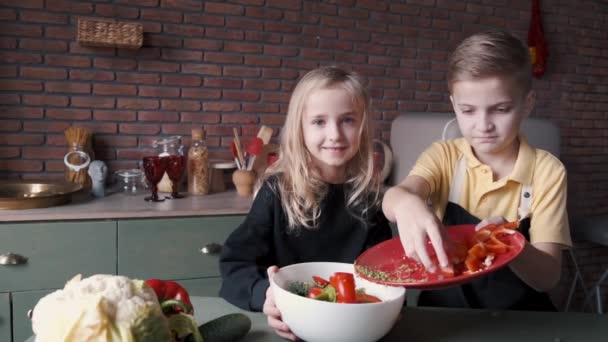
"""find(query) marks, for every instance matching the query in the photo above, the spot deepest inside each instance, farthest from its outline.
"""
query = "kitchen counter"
(446, 325)
(119, 205)
(442, 324)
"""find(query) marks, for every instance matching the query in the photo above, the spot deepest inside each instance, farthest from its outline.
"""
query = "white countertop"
(119, 205)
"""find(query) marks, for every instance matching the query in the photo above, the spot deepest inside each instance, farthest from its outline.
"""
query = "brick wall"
(226, 64)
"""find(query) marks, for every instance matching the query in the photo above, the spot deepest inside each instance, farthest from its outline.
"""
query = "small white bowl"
(319, 321)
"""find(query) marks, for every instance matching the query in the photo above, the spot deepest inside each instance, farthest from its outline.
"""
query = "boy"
(491, 173)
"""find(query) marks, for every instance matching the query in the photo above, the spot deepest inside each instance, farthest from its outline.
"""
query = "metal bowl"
(28, 194)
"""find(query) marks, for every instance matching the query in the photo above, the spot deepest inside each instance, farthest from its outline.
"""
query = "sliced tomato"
(366, 298)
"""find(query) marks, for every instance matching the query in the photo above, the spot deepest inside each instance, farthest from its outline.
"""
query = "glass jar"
(131, 181)
(198, 164)
(171, 146)
(76, 162)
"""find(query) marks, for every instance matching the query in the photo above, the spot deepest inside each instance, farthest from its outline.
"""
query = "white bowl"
(319, 321)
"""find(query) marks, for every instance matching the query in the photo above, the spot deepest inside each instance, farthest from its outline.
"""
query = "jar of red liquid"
(172, 149)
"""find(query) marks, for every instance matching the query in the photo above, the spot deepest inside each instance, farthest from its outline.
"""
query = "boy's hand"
(497, 220)
(415, 222)
(273, 313)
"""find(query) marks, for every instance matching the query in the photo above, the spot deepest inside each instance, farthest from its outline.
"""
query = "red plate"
(388, 260)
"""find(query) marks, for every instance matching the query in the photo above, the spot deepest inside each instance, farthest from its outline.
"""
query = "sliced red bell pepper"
(472, 263)
(344, 283)
(511, 225)
(366, 298)
(320, 281)
(447, 271)
(497, 248)
(314, 292)
(173, 298)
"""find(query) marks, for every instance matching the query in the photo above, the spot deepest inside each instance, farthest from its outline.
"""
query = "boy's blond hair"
(488, 54)
(299, 183)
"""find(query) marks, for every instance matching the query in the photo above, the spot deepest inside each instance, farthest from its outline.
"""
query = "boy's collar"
(524, 165)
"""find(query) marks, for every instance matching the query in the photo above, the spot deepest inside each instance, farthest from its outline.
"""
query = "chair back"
(412, 133)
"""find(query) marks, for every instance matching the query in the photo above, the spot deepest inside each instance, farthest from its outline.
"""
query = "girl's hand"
(497, 220)
(416, 221)
(273, 313)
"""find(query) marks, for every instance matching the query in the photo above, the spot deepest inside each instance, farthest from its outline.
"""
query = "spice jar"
(170, 146)
(198, 164)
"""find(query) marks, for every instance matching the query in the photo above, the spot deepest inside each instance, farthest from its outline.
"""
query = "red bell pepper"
(344, 283)
(173, 298)
(315, 292)
(367, 298)
(320, 281)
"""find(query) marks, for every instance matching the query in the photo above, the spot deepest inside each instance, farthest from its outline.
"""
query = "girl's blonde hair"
(299, 184)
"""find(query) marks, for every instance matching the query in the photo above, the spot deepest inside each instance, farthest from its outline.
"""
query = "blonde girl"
(318, 202)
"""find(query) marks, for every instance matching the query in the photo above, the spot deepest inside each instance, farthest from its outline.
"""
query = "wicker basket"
(99, 32)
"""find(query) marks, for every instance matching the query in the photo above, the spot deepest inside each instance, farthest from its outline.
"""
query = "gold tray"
(24, 194)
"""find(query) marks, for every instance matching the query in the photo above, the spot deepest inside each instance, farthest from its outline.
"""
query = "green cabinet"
(5, 317)
(178, 249)
(22, 303)
(181, 249)
(56, 252)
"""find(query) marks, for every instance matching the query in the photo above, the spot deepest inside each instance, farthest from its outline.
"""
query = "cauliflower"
(102, 307)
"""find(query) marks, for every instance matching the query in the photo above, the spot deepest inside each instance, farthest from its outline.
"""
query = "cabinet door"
(22, 303)
(171, 248)
(56, 252)
(205, 287)
(5, 317)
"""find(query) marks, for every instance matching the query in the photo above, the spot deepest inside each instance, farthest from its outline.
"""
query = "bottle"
(198, 164)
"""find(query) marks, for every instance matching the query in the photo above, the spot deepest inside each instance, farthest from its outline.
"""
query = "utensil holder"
(244, 181)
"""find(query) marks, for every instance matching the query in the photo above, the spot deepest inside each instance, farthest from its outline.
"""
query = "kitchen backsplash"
(233, 64)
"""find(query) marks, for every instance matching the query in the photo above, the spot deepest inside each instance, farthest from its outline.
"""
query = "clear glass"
(169, 146)
(131, 181)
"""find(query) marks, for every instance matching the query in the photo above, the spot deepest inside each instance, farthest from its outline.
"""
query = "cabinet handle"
(212, 249)
(12, 259)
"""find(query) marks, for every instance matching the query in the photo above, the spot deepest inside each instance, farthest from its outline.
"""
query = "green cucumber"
(228, 328)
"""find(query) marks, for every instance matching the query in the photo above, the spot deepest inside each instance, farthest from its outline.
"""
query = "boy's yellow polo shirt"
(483, 197)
